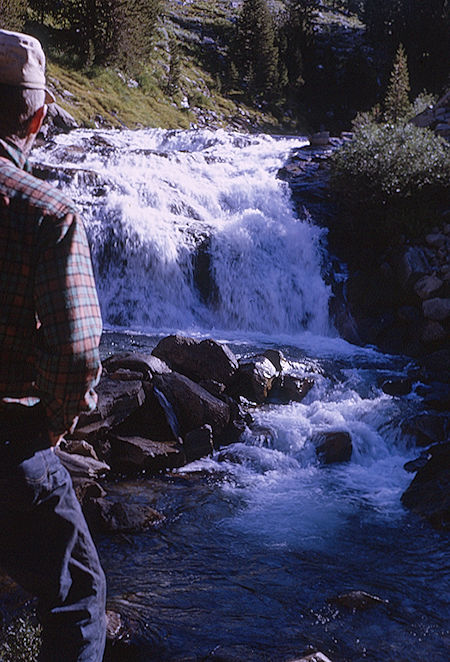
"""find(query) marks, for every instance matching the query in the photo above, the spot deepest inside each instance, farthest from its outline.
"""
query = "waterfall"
(193, 230)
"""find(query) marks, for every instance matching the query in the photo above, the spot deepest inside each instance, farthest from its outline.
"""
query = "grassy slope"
(105, 97)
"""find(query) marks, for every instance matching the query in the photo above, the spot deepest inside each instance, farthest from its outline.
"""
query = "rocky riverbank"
(401, 304)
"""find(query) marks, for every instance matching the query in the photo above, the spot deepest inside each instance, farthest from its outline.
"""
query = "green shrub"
(391, 161)
(391, 179)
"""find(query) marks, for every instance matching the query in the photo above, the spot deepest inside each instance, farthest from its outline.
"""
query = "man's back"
(45, 281)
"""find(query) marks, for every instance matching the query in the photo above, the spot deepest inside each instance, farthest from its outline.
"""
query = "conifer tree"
(256, 50)
(396, 103)
(297, 40)
(173, 83)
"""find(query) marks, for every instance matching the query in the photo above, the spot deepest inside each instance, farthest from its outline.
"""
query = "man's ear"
(36, 121)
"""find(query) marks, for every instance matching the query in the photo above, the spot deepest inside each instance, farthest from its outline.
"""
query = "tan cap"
(22, 62)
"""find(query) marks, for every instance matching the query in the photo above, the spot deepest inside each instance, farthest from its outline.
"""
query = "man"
(50, 329)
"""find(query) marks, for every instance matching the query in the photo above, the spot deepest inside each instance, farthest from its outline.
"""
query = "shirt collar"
(11, 152)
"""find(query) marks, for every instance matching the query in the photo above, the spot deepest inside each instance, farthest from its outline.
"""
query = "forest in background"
(313, 61)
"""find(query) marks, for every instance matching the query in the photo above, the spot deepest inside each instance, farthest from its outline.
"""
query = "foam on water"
(158, 204)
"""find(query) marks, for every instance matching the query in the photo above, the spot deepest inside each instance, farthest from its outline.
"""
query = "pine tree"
(396, 103)
(297, 40)
(12, 14)
(173, 83)
(111, 31)
(256, 51)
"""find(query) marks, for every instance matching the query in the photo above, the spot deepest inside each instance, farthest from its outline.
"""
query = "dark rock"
(60, 118)
(291, 387)
(254, 378)
(333, 446)
(436, 395)
(196, 359)
(437, 309)
(124, 375)
(86, 489)
(412, 265)
(428, 428)
(116, 400)
(429, 493)
(82, 466)
(193, 405)
(155, 419)
(427, 286)
(117, 517)
(401, 386)
(78, 447)
(437, 362)
(418, 463)
(136, 454)
(217, 389)
(198, 443)
(122, 641)
(432, 332)
(357, 600)
(146, 364)
(276, 358)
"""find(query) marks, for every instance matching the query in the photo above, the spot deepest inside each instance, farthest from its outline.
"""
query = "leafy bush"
(391, 179)
(385, 161)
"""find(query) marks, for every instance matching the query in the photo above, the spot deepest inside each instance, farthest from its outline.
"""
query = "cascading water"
(192, 231)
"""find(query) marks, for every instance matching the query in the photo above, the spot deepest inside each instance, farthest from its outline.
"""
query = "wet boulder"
(133, 455)
(117, 399)
(122, 634)
(333, 447)
(146, 365)
(396, 387)
(155, 419)
(116, 517)
(198, 360)
(254, 378)
(193, 405)
(290, 388)
(429, 493)
(428, 428)
(86, 490)
(82, 466)
(198, 443)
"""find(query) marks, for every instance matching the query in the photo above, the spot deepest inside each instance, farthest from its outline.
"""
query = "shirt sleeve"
(67, 363)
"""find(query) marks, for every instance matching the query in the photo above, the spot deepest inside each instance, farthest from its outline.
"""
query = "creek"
(193, 232)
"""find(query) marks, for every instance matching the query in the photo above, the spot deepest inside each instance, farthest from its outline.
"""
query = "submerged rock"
(357, 600)
(117, 517)
(333, 446)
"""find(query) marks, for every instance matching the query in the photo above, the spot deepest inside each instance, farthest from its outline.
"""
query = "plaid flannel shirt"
(50, 323)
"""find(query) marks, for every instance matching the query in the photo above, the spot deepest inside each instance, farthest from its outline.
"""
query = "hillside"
(203, 30)
(104, 96)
